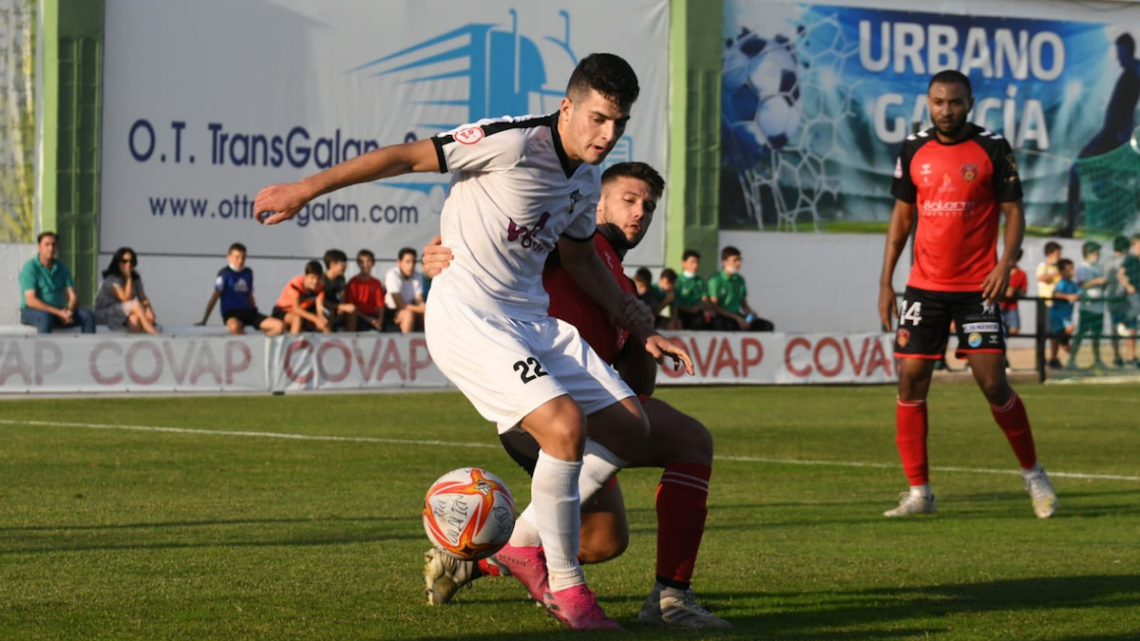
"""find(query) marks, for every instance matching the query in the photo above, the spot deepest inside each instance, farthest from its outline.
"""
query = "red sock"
(682, 506)
(487, 568)
(910, 436)
(1013, 421)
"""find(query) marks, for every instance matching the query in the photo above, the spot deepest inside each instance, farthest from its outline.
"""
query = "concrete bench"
(175, 330)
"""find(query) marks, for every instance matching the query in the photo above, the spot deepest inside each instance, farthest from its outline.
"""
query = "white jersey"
(407, 288)
(513, 194)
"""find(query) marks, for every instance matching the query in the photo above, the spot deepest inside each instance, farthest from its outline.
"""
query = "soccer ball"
(469, 513)
(761, 95)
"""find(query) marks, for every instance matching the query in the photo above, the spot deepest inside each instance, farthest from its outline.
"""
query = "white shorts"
(508, 368)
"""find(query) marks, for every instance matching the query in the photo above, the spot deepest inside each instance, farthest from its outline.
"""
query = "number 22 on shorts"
(524, 369)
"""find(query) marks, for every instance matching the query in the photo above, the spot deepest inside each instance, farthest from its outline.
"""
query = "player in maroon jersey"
(677, 442)
(959, 179)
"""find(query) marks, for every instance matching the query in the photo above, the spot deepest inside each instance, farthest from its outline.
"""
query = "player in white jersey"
(522, 186)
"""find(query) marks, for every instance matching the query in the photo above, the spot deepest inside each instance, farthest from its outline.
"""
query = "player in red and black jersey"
(958, 179)
(677, 442)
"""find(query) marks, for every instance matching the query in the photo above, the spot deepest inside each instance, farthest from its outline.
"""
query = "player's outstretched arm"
(278, 203)
(581, 260)
(902, 221)
(998, 279)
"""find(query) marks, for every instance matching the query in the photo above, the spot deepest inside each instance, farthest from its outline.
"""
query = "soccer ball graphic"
(761, 94)
(469, 513)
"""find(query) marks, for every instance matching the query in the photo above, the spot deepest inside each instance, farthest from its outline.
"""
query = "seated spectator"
(121, 301)
(655, 298)
(405, 294)
(234, 286)
(366, 293)
(49, 299)
(667, 283)
(728, 296)
(302, 302)
(341, 312)
(691, 298)
(1018, 286)
(1066, 292)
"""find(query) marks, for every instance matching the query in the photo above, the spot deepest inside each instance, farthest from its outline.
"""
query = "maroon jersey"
(957, 189)
(570, 303)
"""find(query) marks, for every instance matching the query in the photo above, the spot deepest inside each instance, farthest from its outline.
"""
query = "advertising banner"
(200, 113)
(817, 100)
(308, 362)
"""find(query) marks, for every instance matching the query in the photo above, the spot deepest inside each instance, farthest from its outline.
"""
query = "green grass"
(114, 534)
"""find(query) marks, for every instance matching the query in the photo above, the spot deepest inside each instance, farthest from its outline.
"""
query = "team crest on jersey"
(898, 168)
(903, 337)
(469, 135)
(974, 339)
(969, 172)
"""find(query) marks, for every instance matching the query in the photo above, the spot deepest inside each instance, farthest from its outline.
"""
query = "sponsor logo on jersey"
(903, 337)
(925, 169)
(948, 207)
(947, 181)
(981, 327)
(969, 172)
(469, 135)
(528, 237)
(975, 339)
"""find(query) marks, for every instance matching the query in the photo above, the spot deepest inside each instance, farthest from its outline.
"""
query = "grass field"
(216, 533)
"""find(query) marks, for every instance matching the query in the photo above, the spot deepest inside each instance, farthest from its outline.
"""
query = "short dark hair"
(669, 274)
(643, 275)
(239, 247)
(1125, 40)
(314, 268)
(404, 251)
(45, 234)
(638, 171)
(728, 252)
(1052, 246)
(690, 253)
(366, 252)
(607, 74)
(335, 256)
(1063, 263)
(952, 77)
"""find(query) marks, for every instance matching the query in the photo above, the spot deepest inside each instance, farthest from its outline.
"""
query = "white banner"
(77, 363)
(199, 112)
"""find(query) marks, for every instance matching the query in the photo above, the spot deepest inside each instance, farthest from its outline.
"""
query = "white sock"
(556, 513)
(920, 490)
(1033, 471)
(672, 592)
(598, 466)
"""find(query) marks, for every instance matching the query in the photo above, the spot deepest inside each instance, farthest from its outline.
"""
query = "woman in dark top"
(121, 301)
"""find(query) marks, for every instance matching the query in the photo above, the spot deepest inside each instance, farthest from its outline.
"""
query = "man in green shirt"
(691, 297)
(728, 296)
(49, 292)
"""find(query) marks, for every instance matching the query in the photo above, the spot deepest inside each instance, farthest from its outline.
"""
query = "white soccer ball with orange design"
(469, 513)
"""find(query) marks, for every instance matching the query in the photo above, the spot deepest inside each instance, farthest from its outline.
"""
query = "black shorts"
(924, 324)
(250, 317)
(279, 313)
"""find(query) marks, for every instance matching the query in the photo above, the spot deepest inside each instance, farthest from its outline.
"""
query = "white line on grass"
(401, 441)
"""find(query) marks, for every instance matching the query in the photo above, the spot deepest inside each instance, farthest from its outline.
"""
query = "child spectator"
(1047, 277)
(1117, 294)
(1091, 280)
(1018, 286)
(234, 286)
(1129, 274)
(121, 301)
(405, 297)
(366, 293)
(302, 302)
(655, 298)
(667, 283)
(728, 296)
(1065, 294)
(341, 312)
(691, 297)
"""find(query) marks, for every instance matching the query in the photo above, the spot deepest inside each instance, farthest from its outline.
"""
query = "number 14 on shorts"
(911, 312)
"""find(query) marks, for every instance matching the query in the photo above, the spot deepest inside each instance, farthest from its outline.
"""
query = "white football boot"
(913, 504)
(1041, 491)
(682, 613)
(445, 575)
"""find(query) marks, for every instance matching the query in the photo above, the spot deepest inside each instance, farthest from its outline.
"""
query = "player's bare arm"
(586, 267)
(902, 221)
(998, 279)
(281, 202)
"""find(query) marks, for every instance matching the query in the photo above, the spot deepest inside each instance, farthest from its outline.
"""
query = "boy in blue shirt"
(1065, 294)
(234, 286)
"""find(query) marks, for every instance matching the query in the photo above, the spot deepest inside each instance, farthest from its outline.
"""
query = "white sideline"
(400, 441)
